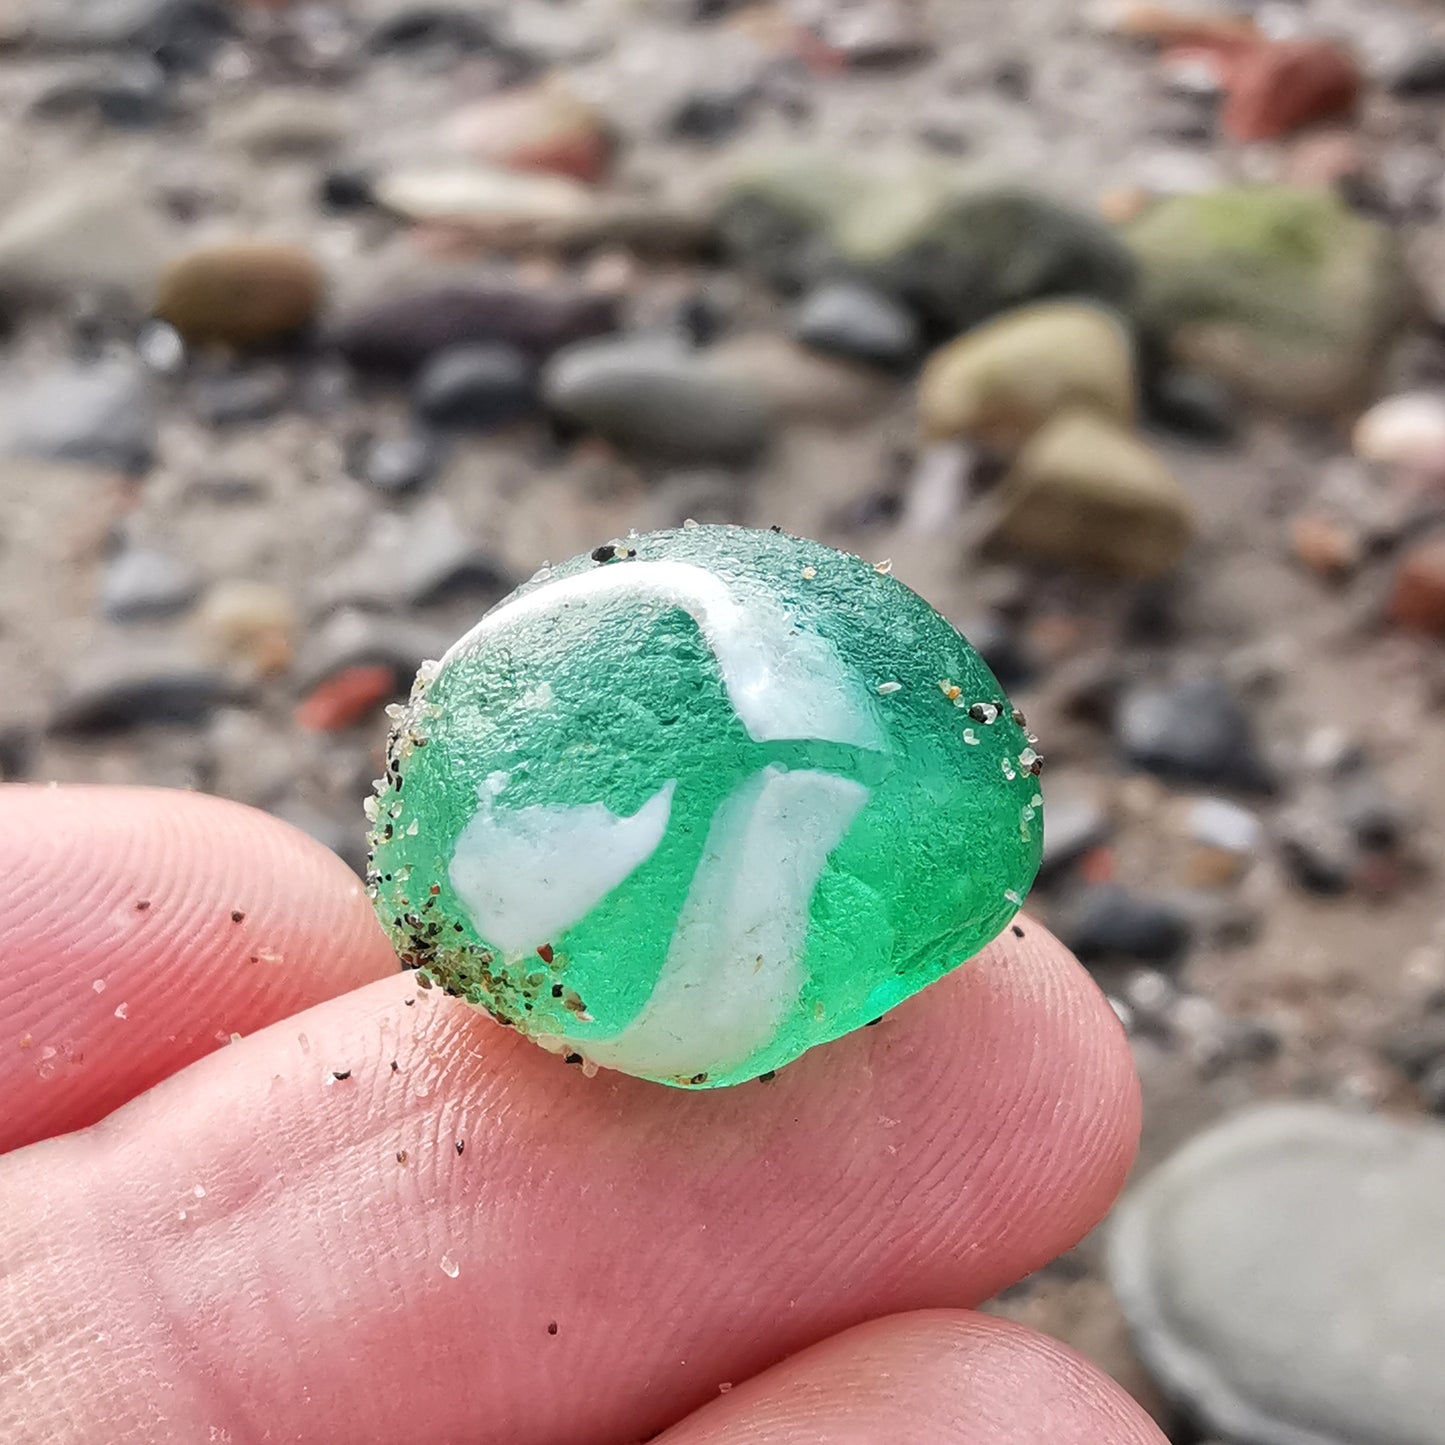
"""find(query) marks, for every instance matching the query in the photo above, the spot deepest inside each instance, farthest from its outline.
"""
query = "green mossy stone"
(1286, 295)
(689, 810)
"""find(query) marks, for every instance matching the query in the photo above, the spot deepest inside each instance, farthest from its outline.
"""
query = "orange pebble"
(1098, 865)
(346, 698)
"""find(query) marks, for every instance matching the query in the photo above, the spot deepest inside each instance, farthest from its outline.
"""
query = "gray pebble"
(854, 321)
(415, 560)
(659, 399)
(1194, 406)
(1316, 848)
(398, 464)
(476, 388)
(1193, 731)
(101, 414)
(244, 396)
(125, 687)
(710, 116)
(352, 638)
(1420, 73)
(1106, 923)
(129, 92)
(1272, 1267)
(141, 583)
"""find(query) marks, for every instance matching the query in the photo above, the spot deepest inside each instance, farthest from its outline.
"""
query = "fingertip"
(947, 1377)
(142, 928)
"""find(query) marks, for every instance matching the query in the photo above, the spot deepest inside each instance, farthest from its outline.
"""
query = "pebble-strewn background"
(1121, 331)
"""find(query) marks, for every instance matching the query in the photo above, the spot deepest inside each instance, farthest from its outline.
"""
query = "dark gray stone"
(1284, 1276)
(1193, 406)
(701, 318)
(998, 642)
(1432, 1089)
(1107, 923)
(704, 10)
(994, 250)
(1419, 74)
(346, 188)
(1190, 119)
(426, 27)
(126, 687)
(101, 414)
(415, 560)
(1193, 731)
(1316, 849)
(179, 34)
(1372, 816)
(846, 319)
(710, 116)
(402, 333)
(141, 583)
(131, 93)
(397, 464)
(953, 258)
(362, 639)
(658, 398)
(1417, 1046)
(476, 388)
(243, 396)
(446, 33)
(17, 748)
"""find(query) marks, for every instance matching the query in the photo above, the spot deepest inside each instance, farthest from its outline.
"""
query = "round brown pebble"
(240, 293)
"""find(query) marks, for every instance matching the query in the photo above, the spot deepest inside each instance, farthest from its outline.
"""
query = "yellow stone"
(1087, 493)
(997, 385)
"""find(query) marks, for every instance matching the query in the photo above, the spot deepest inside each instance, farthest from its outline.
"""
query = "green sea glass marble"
(700, 801)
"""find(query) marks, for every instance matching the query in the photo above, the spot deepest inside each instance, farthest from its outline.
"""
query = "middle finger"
(601, 1254)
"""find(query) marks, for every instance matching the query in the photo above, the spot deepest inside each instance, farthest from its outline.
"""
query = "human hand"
(381, 1217)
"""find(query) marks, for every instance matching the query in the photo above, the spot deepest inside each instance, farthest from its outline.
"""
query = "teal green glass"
(698, 802)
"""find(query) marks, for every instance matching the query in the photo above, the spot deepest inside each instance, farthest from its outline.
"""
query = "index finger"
(141, 928)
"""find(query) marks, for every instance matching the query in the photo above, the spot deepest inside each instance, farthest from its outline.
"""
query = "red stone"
(345, 698)
(583, 155)
(542, 127)
(1418, 598)
(1279, 87)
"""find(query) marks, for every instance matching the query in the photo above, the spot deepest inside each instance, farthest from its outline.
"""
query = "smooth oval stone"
(655, 397)
(1284, 1275)
(241, 293)
(400, 333)
(1087, 493)
(141, 583)
(697, 802)
(845, 319)
(1002, 382)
